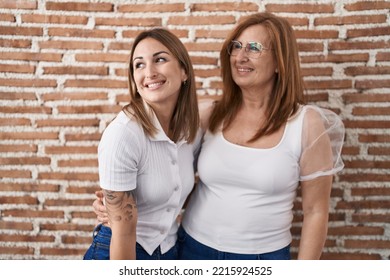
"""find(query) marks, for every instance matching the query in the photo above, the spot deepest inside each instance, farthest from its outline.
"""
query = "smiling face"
(254, 73)
(157, 74)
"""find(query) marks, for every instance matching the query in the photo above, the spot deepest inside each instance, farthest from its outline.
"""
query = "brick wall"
(63, 77)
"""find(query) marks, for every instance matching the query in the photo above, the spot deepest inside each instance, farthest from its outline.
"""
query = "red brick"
(31, 56)
(366, 244)
(367, 97)
(364, 178)
(80, 6)
(378, 151)
(223, 6)
(364, 70)
(150, 8)
(29, 187)
(349, 256)
(21, 5)
(15, 43)
(14, 68)
(327, 84)
(377, 164)
(53, 214)
(18, 200)
(299, 8)
(18, 148)
(90, 83)
(18, 96)
(72, 70)
(344, 20)
(15, 225)
(15, 174)
(7, 18)
(366, 32)
(16, 250)
(369, 84)
(82, 190)
(128, 21)
(79, 176)
(370, 191)
(89, 109)
(26, 110)
(374, 111)
(26, 238)
(83, 33)
(82, 137)
(366, 204)
(345, 45)
(103, 57)
(25, 161)
(78, 163)
(366, 124)
(71, 45)
(28, 135)
(371, 138)
(14, 122)
(67, 122)
(66, 227)
(58, 19)
(71, 150)
(74, 96)
(367, 5)
(370, 218)
(200, 20)
(21, 31)
(383, 56)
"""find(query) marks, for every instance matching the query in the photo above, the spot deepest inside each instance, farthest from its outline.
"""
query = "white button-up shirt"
(161, 172)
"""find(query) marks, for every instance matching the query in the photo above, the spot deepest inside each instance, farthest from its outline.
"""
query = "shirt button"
(169, 210)
(173, 162)
(176, 189)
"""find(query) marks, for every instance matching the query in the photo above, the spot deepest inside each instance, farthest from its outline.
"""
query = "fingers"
(99, 194)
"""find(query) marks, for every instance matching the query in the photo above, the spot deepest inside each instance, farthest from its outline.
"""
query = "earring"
(276, 71)
(184, 82)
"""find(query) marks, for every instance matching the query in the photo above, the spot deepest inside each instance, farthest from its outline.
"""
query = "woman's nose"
(151, 72)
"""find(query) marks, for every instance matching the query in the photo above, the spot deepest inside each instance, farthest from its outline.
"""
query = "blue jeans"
(190, 249)
(100, 248)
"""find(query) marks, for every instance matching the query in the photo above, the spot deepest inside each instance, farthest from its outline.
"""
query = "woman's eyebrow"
(154, 55)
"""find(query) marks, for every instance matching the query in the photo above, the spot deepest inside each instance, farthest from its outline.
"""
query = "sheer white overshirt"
(161, 172)
(244, 199)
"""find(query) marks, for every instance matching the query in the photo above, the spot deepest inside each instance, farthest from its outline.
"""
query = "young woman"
(147, 152)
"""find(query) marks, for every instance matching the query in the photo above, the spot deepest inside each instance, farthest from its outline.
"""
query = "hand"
(99, 209)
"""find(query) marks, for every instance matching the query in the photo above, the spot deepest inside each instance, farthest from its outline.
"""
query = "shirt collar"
(160, 134)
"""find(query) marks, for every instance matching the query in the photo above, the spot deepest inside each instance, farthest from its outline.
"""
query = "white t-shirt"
(244, 199)
(161, 172)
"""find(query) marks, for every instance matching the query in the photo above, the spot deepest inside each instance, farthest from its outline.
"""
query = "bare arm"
(315, 205)
(122, 214)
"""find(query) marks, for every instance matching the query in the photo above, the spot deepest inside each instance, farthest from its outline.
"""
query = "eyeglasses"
(252, 49)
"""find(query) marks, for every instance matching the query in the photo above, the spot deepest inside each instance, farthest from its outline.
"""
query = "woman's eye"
(160, 59)
(237, 46)
(255, 47)
(139, 65)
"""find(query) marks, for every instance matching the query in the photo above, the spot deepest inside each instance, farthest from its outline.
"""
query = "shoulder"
(124, 128)
(206, 106)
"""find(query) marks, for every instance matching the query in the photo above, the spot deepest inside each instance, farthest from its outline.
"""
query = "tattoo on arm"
(120, 205)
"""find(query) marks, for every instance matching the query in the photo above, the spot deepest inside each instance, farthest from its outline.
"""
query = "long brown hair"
(185, 118)
(288, 89)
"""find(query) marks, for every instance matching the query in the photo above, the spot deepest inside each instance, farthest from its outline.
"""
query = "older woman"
(262, 143)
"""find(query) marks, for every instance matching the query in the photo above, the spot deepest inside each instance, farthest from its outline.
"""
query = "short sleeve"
(322, 141)
(119, 156)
